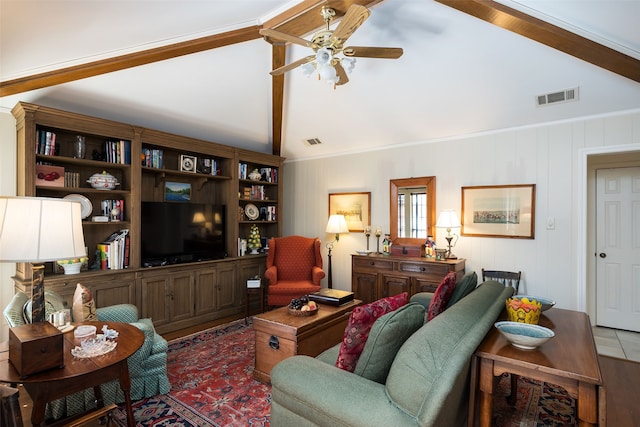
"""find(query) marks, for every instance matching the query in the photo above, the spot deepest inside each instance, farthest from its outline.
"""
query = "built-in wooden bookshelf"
(142, 161)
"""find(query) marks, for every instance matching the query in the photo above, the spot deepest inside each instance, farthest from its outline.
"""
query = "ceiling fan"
(331, 59)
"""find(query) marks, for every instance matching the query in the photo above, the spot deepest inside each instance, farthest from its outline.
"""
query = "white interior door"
(618, 248)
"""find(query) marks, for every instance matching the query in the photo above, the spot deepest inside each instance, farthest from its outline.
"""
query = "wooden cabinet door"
(394, 285)
(227, 291)
(365, 286)
(424, 285)
(181, 296)
(155, 299)
(206, 281)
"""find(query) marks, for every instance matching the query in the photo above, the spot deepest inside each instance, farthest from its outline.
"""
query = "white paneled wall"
(548, 156)
(7, 188)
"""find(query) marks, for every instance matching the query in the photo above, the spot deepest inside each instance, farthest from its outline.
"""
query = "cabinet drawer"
(424, 267)
(378, 264)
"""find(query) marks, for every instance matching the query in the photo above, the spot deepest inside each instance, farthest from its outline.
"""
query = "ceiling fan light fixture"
(328, 73)
(348, 64)
(324, 56)
(308, 69)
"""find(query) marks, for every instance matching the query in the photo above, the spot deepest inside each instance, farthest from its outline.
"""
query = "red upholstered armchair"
(294, 268)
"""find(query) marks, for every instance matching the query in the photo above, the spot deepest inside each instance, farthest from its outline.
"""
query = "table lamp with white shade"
(38, 230)
(448, 219)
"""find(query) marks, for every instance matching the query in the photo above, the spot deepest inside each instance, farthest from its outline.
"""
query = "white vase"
(254, 251)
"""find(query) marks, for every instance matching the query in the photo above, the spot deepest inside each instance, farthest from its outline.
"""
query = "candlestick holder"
(367, 232)
(378, 233)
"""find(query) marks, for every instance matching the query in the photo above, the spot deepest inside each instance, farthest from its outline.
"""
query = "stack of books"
(114, 251)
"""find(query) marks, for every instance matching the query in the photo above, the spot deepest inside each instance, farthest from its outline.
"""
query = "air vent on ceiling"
(558, 97)
(312, 141)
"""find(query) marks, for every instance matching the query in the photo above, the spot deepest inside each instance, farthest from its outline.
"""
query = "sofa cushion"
(84, 306)
(360, 322)
(387, 335)
(442, 295)
(463, 288)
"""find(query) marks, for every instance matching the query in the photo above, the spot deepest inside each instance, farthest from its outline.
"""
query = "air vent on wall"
(558, 97)
(312, 141)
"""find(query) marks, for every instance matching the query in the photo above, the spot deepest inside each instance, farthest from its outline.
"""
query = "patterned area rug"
(211, 375)
(538, 404)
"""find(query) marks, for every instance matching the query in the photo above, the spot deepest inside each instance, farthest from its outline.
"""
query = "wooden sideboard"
(376, 276)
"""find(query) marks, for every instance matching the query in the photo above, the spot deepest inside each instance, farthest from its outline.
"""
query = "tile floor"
(617, 343)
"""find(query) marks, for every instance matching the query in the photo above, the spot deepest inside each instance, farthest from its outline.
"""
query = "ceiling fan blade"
(268, 32)
(373, 52)
(293, 65)
(351, 20)
(341, 73)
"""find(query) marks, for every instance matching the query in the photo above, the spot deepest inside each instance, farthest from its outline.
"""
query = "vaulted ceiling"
(200, 68)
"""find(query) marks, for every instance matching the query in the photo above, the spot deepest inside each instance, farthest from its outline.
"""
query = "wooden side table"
(80, 374)
(569, 360)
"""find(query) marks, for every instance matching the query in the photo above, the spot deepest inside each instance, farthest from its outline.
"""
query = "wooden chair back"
(507, 278)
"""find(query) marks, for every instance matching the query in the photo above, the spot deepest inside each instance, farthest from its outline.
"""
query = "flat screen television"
(178, 232)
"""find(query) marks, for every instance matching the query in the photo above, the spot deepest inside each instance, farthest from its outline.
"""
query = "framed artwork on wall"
(499, 211)
(356, 208)
(177, 191)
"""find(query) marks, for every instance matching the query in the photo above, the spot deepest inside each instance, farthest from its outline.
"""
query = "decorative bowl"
(546, 302)
(84, 332)
(103, 181)
(302, 313)
(71, 266)
(363, 252)
(523, 310)
(524, 335)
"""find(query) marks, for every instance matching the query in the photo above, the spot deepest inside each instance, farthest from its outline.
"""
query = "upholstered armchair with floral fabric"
(147, 367)
(294, 268)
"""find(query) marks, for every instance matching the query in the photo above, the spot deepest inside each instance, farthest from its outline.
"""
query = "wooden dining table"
(569, 360)
(79, 373)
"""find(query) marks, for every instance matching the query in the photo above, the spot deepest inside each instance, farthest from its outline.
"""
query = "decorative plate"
(252, 211)
(87, 207)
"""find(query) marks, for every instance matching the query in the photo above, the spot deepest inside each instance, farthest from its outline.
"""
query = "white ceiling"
(458, 75)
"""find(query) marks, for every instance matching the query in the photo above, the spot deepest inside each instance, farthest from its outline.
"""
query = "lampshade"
(337, 224)
(448, 219)
(37, 229)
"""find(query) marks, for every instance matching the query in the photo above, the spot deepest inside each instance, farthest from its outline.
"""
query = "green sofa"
(427, 383)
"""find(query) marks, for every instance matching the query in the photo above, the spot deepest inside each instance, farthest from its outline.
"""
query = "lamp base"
(37, 294)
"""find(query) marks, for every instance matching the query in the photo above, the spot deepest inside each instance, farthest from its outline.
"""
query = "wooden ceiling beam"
(277, 98)
(550, 35)
(91, 69)
(305, 17)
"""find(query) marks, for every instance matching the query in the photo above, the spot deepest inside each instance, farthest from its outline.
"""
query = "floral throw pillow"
(359, 326)
(84, 307)
(442, 295)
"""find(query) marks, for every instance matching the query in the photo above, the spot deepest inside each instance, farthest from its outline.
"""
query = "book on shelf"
(46, 142)
(152, 158)
(118, 151)
(114, 251)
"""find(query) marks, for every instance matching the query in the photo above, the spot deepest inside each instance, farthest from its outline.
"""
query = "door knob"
(603, 255)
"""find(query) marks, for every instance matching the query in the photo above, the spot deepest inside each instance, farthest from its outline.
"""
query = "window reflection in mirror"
(412, 210)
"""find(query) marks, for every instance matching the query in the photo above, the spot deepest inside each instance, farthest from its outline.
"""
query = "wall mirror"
(412, 210)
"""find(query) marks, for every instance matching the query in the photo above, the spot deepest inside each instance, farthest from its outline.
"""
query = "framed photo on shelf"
(188, 163)
(177, 191)
(356, 208)
(499, 211)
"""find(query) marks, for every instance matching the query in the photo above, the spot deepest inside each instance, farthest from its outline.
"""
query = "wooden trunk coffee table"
(280, 335)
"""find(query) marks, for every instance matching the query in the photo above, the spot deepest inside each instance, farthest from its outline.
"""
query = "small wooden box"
(404, 250)
(35, 348)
